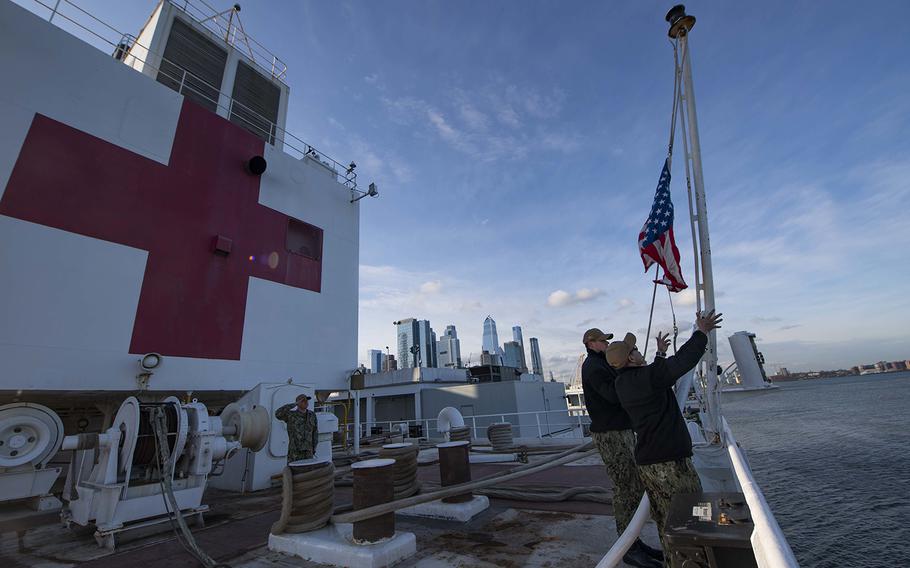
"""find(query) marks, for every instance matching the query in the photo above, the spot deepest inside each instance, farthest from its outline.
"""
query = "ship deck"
(510, 533)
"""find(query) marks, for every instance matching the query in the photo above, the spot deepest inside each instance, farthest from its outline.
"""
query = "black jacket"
(600, 397)
(646, 393)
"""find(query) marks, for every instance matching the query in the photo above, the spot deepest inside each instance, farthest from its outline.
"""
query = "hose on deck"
(549, 494)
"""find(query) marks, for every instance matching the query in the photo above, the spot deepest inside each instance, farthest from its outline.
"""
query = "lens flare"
(273, 260)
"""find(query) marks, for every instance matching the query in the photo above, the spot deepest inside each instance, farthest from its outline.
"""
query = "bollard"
(373, 485)
(454, 467)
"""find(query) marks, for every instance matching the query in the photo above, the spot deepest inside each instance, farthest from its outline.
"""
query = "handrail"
(347, 177)
(614, 556)
(768, 540)
(278, 68)
(575, 422)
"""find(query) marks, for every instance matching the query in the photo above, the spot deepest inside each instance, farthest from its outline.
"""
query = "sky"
(517, 146)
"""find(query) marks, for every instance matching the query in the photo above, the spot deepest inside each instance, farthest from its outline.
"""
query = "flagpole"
(680, 25)
(651, 317)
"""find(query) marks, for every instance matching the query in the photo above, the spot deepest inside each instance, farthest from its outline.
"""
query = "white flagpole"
(680, 25)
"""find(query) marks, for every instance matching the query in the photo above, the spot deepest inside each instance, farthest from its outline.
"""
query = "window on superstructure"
(304, 239)
(193, 65)
(255, 102)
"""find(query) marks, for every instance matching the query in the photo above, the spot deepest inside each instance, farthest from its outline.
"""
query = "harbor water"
(833, 458)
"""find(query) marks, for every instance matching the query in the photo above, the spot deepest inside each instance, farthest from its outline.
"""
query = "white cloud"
(561, 298)
(475, 119)
(462, 119)
(509, 117)
(685, 298)
(431, 287)
(443, 127)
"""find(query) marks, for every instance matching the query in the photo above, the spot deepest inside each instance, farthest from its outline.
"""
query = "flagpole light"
(680, 22)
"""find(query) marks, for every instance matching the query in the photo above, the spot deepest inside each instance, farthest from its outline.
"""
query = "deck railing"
(540, 424)
(768, 540)
(122, 42)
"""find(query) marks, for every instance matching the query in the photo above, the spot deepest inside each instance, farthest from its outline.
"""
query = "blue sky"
(517, 146)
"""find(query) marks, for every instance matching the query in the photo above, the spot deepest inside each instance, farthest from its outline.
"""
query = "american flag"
(656, 242)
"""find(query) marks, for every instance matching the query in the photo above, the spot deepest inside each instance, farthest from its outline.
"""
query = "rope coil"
(460, 433)
(500, 436)
(307, 498)
(404, 474)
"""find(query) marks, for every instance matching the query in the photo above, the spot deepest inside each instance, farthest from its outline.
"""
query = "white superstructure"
(82, 300)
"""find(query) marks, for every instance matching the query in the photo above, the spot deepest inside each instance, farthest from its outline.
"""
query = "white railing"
(232, 32)
(543, 425)
(614, 556)
(290, 143)
(768, 540)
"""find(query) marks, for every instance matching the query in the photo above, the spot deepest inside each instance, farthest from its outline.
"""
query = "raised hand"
(662, 342)
(707, 322)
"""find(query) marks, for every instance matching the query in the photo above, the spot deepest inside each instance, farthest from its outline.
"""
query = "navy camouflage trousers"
(664, 480)
(616, 449)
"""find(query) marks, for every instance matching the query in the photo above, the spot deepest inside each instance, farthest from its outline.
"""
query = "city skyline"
(411, 341)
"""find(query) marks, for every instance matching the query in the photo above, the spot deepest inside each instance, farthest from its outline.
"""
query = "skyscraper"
(512, 356)
(536, 365)
(490, 338)
(516, 336)
(426, 340)
(407, 342)
(376, 357)
(448, 349)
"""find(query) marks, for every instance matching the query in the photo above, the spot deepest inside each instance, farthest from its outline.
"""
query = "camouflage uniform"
(664, 480)
(303, 431)
(616, 449)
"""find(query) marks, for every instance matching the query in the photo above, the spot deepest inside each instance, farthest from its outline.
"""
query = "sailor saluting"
(302, 428)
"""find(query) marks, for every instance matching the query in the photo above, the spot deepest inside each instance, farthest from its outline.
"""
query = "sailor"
(611, 430)
(303, 429)
(663, 450)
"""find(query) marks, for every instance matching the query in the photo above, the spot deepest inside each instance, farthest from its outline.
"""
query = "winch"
(120, 476)
(30, 435)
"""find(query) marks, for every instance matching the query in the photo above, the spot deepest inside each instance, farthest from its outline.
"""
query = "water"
(833, 459)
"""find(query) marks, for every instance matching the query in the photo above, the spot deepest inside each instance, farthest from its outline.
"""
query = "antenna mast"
(680, 26)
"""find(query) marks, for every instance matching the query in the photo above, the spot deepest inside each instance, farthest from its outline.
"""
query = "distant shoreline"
(815, 375)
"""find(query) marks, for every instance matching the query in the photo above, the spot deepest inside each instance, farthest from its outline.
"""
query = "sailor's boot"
(638, 557)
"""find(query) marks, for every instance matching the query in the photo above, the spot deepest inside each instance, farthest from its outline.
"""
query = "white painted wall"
(145, 55)
(68, 301)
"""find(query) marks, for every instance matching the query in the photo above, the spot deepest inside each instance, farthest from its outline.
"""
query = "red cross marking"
(193, 301)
